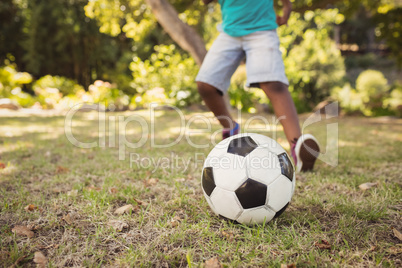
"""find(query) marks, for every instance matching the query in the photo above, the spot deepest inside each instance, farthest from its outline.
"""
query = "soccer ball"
(248, 178)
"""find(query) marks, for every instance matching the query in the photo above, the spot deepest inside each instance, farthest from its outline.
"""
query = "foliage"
(242, 97)
(170, 69)
(12, 82)
(64, 85)
(97, 40)
(56, 38)
(393, 102)
(313, 63)
(11, 79)
(109, 95)
(371, 97)
(389, 29)
(11, 37)
(372, 86)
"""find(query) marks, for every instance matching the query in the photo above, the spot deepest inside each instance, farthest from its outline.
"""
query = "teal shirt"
(243, 17)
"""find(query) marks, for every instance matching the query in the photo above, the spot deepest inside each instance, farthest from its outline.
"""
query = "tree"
(137, 19)
(185, 36)
(55, 37)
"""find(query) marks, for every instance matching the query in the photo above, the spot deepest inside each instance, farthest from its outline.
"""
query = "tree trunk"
(185, 36)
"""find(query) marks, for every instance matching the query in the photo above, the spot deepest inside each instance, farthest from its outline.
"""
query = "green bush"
(170, 69)
(371, 97)
(22, 98)
(313, 63)
(373, 87)
(11, 79)
(11, 83)
(242, 97)
(350, 101)
(393, 102)
(108, 94)
(64, 85)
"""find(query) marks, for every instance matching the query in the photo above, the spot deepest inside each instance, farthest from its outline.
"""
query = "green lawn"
(75, 192)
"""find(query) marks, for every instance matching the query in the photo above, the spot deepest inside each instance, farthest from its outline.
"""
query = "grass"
(76, 192)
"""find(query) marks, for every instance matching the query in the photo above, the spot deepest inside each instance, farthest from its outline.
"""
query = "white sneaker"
(305, 152)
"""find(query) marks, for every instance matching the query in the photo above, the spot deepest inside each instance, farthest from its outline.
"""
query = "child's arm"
(287, 8)
(206, 2)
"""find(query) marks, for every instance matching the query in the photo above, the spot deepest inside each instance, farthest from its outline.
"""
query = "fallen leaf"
(213, 263)
(292, 265)
(113, 190)
(68, 219)
(367, 185)
(151, 182)
(23, 230)
(2, 165)
(72, 193)
(57, 190)
(174, 222)
(30, 207)
(228, 235)
(323, 245)
(93, 188)
(124, 209)
(394, 250)
(397, 233)
(139, 202)
(61, 169)
(32, 227)
(40, 259)
(117, 225)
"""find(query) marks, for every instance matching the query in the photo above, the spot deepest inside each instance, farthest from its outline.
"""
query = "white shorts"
(263, 60)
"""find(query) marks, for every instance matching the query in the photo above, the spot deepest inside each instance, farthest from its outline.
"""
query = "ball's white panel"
(210, 203)
(279, 193)
(230, 172)
(226, 203)
(267, 142)
(256, 216)
(219, 150)
(263, 166)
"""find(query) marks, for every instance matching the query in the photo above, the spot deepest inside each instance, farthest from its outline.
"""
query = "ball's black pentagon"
(286, 166)
(252, 194)
(277, 214)
(242, 146)
(208, 182)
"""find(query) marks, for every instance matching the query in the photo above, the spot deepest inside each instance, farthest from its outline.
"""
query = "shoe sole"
(307, 154)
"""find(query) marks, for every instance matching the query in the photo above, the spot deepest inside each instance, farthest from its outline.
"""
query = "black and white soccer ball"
(248, 178)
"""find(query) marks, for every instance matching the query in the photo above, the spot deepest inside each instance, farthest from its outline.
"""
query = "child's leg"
(304, 149)
(284, 108)
(216, 104)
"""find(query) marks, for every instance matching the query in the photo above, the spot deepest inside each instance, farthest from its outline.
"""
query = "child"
(249, 30)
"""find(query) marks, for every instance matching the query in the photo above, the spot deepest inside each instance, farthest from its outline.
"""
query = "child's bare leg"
(216, 104)
(284, 108)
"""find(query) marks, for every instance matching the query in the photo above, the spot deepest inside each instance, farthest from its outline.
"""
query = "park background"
(61, 53)
(62, 205)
